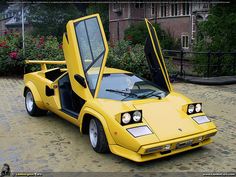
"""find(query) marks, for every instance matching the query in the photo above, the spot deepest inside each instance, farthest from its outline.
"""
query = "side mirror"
(81, 80)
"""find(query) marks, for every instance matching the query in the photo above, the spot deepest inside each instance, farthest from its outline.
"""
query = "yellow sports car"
(124, 113)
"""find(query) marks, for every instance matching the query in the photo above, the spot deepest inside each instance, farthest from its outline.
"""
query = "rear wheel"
(97, 136)
(30, 105)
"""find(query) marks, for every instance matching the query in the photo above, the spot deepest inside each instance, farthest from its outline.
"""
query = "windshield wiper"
(122, 92)
(152, 93)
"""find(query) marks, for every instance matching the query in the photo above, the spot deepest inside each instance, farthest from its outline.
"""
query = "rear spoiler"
(43, 63)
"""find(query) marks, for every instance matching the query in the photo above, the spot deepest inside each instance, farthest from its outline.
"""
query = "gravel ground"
(52, 144)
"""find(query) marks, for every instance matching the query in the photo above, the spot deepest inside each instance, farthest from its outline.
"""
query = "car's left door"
(85, 49)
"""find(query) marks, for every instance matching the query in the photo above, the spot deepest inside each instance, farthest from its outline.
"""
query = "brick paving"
(52, 144)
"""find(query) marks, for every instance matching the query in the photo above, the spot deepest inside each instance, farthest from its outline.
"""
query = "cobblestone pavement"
(52, 144)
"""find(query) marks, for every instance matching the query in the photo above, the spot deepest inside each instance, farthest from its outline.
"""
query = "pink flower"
(60, 46)
(39, 56)
(41, 40)
(3, 44)
(129, 37)
(13, 55)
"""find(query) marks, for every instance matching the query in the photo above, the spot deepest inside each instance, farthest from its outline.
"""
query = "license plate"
(184, 144)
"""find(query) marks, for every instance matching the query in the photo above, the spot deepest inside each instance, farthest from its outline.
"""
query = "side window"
(95, 38)
(85, 51)
(91, 48)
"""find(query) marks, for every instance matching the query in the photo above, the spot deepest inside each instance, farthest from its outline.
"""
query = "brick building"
(178, 19)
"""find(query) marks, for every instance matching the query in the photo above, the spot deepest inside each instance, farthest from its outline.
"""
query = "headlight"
(139, 131)
(198, 107)
(131, 117)
(190, 108)
(126, 117)
(201, 119)
(137, 115)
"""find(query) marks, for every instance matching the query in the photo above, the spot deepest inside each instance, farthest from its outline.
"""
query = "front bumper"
(141, 156)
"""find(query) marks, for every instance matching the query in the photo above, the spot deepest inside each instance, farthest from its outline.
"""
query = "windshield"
(126, 87)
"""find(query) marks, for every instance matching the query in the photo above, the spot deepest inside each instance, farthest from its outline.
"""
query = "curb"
(221, 80)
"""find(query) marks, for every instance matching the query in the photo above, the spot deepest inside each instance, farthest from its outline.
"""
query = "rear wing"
(44, 63)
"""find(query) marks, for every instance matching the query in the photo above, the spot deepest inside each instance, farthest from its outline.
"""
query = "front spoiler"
(140, 157)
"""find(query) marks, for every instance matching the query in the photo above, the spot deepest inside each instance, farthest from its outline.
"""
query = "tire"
(97, 136)
(31, 107)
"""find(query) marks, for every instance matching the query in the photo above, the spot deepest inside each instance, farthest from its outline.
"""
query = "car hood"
(168, 121)
(165, 117)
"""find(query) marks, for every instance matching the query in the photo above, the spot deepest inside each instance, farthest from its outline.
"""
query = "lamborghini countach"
(132, 117)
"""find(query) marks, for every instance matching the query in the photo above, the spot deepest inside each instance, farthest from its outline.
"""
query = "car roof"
(107, 70)
(114, 70)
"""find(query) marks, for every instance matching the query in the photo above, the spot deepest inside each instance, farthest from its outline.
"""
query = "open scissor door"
(155, 59)
(85, 49)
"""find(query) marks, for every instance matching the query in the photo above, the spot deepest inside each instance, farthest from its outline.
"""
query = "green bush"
(127, 57)
(132, 58)
(137, 34)
(10, 54)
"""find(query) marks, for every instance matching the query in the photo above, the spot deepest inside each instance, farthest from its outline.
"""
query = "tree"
(218, 32)
(51, 19)
(137, 34)
(103, 10)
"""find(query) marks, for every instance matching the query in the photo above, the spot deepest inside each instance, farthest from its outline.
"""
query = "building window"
(116, 7)
(163, 10)
(138, 5)
(152, 9)
(174, 9)
(185, 8)
(185, 41)
(205, 6)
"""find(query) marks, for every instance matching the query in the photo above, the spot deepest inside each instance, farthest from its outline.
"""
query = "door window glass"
(91, 47)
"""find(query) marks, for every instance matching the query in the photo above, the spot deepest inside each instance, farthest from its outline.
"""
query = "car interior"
(71, 103)
(53, 74)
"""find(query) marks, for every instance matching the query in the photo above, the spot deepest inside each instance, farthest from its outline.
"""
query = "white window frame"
(163, 10)
(185, 41)
(152, 9)
(174, 8)
(186, 7)
(139, 5)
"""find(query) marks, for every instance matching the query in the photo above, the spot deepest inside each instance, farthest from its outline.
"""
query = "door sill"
(70, 113)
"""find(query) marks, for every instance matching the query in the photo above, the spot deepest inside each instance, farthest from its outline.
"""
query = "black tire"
(34, 110)
(101, 146)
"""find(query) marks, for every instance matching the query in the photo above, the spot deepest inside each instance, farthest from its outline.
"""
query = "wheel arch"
(37, 98)
(88, 114)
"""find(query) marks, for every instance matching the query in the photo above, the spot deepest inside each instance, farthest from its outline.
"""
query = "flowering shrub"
(10, 54)
(42, 48)
(36, 48)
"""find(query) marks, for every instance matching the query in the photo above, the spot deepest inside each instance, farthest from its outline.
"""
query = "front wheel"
(30, 105)
(97, 136)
